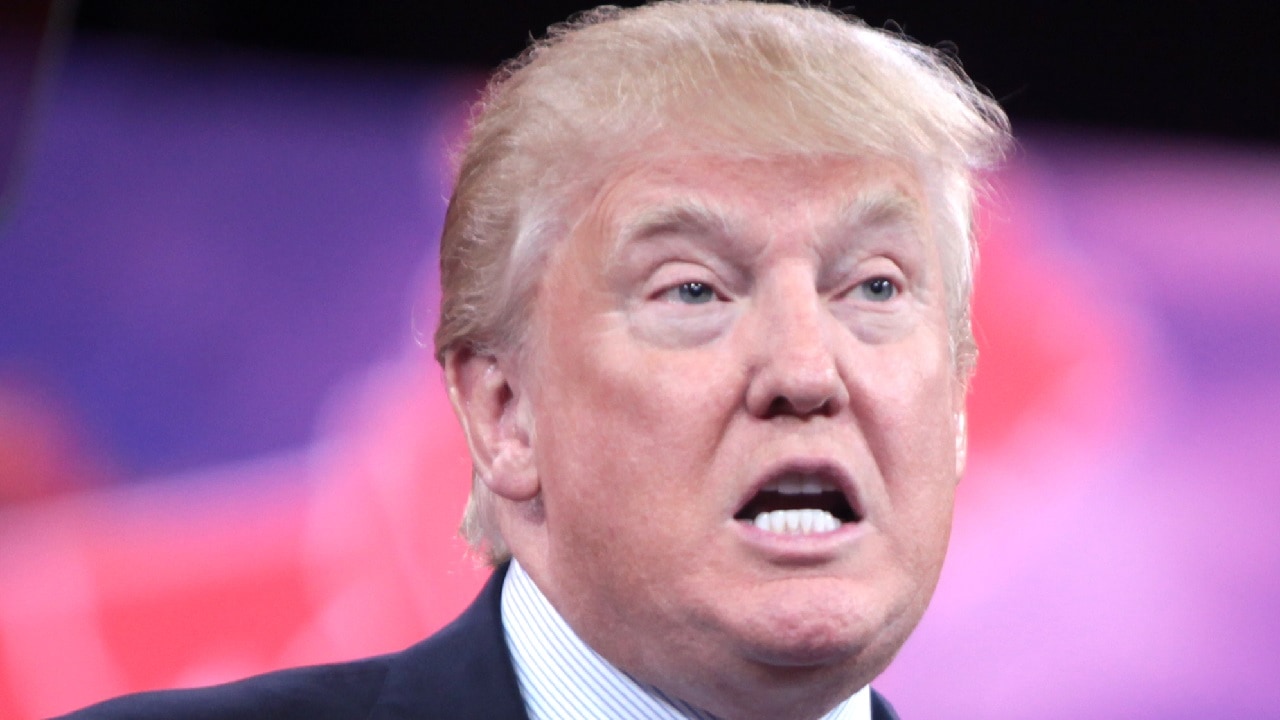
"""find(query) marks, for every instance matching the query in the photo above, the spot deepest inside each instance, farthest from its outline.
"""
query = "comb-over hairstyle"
(720, 77)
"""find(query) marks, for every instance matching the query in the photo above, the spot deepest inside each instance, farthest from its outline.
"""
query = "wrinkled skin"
(710, 321)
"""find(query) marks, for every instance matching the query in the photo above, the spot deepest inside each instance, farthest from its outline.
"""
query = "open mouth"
(799, 504)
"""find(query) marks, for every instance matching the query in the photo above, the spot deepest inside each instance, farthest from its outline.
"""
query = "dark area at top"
(1182, 67)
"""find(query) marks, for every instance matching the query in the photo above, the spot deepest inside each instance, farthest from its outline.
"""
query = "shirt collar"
(560, 676)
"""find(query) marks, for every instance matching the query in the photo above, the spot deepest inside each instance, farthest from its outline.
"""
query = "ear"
(494, 418)
(962, 443)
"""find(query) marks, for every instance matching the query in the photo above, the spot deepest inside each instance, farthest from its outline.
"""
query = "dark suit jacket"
(463, 672)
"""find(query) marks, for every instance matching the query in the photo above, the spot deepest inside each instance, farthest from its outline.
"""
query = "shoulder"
(322, 692)
(463, 672)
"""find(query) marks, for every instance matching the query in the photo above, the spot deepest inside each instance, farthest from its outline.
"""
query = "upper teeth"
(805, 521)
(795, 485)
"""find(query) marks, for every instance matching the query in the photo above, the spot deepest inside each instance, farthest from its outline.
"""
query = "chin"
(797, 635)
(804, 653)
(836, 627)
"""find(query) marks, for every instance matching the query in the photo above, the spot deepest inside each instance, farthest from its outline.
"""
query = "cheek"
(624, 430)
(642, 394)
(915, 450)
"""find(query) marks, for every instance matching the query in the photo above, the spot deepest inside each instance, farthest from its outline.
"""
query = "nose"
(796, 371)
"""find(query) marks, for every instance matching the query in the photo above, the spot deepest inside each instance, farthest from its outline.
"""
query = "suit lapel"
(463, 672)
(880, 708)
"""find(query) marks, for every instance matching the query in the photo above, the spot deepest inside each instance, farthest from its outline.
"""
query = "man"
(706, 275)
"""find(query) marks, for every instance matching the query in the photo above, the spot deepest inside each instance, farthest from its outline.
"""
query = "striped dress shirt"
(560, 677)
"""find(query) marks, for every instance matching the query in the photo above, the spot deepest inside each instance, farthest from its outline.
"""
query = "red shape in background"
(1052, 354)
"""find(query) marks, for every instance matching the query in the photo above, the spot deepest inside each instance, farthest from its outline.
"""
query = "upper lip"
(826, 469)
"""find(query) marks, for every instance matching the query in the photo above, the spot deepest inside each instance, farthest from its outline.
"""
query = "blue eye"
(694, 293)
(878, 289)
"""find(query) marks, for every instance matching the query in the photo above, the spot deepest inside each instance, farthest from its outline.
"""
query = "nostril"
(779, 406)
(783, 405)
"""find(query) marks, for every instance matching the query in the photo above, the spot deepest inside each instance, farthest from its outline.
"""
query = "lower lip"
(800, 548)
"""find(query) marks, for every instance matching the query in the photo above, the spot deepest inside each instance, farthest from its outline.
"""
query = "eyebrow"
(685, 216)
(879, 207)
(875, 209)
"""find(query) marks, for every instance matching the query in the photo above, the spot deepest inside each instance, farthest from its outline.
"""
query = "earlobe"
(494, 417)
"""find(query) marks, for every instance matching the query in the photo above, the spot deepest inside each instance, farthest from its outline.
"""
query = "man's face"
(724, 338)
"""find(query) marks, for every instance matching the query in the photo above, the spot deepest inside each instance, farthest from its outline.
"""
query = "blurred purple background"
(206, 242)
(209, 273)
